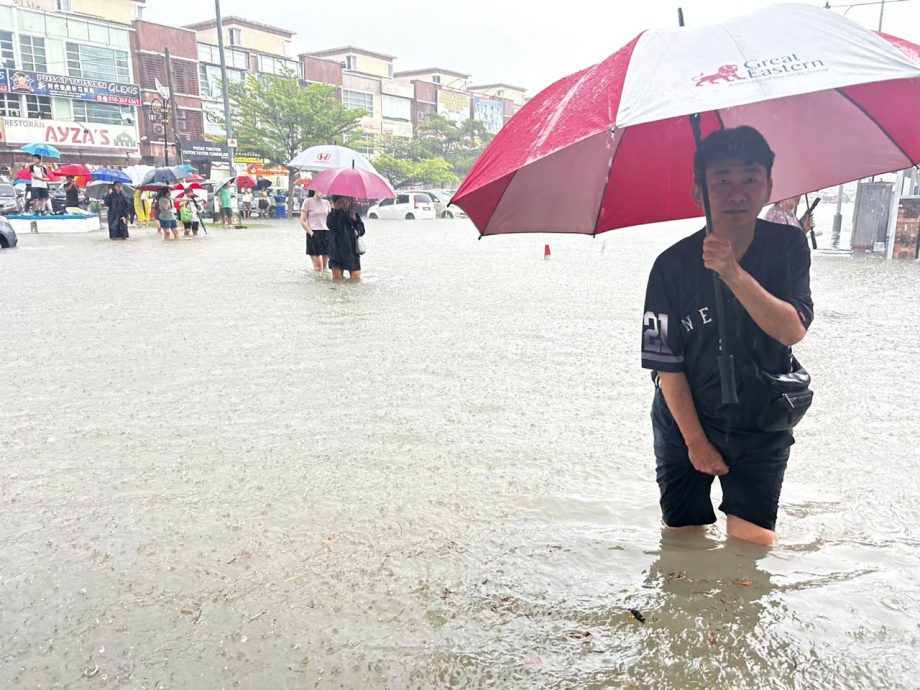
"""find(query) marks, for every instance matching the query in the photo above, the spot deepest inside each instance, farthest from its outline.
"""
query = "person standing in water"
(313, 220)
(764, 272)
(344, 229)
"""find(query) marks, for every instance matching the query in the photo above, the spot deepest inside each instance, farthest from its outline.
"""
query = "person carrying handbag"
(345, 230)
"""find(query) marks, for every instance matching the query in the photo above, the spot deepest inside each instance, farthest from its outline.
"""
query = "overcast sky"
(518, 42)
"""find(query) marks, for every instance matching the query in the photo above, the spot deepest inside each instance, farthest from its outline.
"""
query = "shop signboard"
(490, 113)
(76, 88)
(454, 105)
(205, 151)
(19, 130)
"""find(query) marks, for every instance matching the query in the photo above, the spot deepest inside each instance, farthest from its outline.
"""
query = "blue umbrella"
(187, 168)
(110, 175)
(46, 150)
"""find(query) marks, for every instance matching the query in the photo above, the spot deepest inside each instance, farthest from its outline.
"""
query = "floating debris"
(580, 635)
(637, 614)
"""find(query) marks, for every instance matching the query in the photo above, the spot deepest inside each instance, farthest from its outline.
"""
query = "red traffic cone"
(546, 252)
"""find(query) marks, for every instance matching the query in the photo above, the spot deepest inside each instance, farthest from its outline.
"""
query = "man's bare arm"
(703, 455)
(777, 318)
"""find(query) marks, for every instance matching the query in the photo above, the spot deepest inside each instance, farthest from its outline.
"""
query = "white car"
(441, 197)
(406, 205)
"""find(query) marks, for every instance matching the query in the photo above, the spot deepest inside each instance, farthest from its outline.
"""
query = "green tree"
(277, 118)
(429, 172)
(460, 146)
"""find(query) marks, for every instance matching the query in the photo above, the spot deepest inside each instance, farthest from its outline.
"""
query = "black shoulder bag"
(785, 397)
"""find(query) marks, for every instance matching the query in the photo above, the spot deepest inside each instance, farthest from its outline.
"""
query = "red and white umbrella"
(353, 182)
(612, 146)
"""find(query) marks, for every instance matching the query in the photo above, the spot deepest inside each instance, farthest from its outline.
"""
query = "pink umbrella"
(353, 182)
(612, 146)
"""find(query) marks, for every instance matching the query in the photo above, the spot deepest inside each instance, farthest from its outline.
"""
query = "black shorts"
(190, 225)
(226, 212)
(39, 192)
(750, 490)
(318, 245)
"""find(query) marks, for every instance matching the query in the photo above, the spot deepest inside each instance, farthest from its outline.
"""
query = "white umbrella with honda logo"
(330, 156)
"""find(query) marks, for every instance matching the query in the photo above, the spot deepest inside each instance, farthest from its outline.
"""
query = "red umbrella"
(353, 182)
(194, 177)
(244, 182)
(24, 174)
(836, 102)
(73, 170)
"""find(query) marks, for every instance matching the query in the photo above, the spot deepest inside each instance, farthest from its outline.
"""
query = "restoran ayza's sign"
(18, 130)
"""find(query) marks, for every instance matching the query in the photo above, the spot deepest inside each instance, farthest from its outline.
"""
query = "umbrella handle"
(726, 360)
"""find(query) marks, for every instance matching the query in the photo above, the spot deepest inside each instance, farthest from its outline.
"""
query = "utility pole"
(173, 108)
(223, 78)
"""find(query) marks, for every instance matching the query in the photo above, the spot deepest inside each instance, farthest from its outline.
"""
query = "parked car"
(8, 237)
(440, 198)
(408, 205)
(10, 203)
(450, 211)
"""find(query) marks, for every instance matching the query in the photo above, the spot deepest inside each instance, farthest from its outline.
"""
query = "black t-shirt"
(680, 333)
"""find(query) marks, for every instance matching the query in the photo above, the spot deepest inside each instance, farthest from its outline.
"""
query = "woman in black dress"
(119, 210)
(345, 227)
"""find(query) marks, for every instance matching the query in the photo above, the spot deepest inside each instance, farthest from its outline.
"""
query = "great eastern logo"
(761, 69)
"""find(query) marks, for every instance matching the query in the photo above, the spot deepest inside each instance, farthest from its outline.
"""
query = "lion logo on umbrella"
(724, 73)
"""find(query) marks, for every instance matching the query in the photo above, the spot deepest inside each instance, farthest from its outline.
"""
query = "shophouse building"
(67, 79)
(249, 48)
(172, 118)
(368, 83)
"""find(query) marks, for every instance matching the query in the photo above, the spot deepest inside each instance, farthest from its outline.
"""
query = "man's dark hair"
(744, 142)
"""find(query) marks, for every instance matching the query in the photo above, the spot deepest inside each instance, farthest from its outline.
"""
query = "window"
(436, 79)
(10, 105)
(92, 62)
(102, 113)
(359, 99)
(209, 80)
(6, 50)
(234, 58)
(38, 107)
(235, 36)
(275, 65)
(386, 202)
(32, 50)
(390, 70)
(64, 6)
(351, 62)
(402, 199)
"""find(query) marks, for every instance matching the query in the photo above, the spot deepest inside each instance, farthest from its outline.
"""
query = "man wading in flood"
(764, 267)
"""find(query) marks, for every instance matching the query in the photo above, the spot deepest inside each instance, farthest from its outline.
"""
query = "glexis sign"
(19, 130)
(778, 67)
(77, 88)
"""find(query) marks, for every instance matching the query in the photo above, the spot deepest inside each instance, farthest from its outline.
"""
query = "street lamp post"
(160, 105)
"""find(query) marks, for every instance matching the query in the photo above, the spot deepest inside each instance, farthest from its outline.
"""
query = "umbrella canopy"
(169, 175)
(197, 191)
(262, 183)
(97, 189)
(137, 173)
(44, 150)
(194, 177)
(24, 174)
(303, 181)
(72, 169)
(330, 156)
(245, 182)
(187, 168)
(152, 187)
(110, 175)
(354, 182)
(835, 101)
